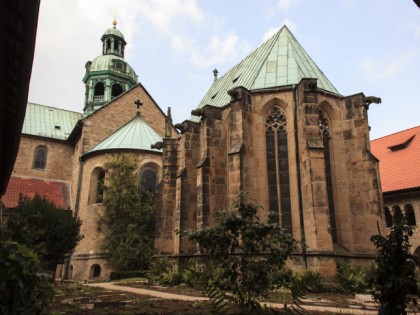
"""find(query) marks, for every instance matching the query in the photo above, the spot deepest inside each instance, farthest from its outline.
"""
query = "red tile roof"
(399, 159)
(55, 191)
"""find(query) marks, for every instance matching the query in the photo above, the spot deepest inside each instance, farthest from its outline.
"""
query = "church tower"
(108, 75)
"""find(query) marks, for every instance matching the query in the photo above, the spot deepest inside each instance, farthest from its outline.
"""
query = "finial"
(114, 22)
(215, 72)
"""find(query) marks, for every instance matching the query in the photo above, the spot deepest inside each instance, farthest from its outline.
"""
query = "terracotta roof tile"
(55, 191)
(399, 159)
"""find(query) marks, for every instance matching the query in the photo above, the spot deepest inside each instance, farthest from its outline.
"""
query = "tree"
(23, 289)
(129, 216)
(51, 232)
(245, 251)
(394, 279)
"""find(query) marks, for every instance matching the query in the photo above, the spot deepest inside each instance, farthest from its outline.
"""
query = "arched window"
(95, 271)
(278, 168)
(116, 90)
(97, 186)
(108, 45)
(388, 217)
(324, 127)
(398, 216)
(40, 157)
(148, 180)
(410, 217)
(99, 91)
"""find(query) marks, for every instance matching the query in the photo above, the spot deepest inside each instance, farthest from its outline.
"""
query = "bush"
(23, 289)
(352, 279)
(246, 251)
(394, 281)
(117, 275)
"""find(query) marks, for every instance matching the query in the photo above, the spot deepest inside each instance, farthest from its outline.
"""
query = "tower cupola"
(113, 42)
(108, 75)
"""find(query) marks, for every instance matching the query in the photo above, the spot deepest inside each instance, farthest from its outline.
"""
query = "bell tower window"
(99, 91)
(278, 168)
(40, 158)
(116, 90)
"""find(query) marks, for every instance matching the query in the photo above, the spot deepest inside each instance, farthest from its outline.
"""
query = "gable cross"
(138, 104)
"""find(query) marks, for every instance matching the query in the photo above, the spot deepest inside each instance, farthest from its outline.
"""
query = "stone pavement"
(310, 304)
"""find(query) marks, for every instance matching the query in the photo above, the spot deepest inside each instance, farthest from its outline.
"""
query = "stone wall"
(59, 158)
(230, 156)
(89, 252)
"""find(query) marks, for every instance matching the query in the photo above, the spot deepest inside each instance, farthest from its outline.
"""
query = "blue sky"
(369, 46)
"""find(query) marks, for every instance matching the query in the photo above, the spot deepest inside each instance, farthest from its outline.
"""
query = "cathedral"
(273, 126)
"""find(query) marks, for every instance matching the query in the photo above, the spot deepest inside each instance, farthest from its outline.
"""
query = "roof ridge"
(395, 133)
(41, 178)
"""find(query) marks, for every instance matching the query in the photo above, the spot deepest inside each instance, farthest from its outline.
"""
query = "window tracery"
(278, 167)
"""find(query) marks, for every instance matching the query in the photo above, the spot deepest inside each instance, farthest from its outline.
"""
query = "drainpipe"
(79, 187)
(76, 212)
(301, 220)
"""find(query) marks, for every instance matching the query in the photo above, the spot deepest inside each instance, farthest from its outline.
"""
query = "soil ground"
(75, 298)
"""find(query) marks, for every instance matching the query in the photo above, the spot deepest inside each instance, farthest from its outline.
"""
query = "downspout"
(79, 187)
(76, 212)
(300, 205)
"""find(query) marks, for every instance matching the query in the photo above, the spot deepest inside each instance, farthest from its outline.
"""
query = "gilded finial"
(114, 22)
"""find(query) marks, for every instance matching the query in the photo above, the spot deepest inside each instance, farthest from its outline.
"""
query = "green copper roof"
(113, 31)
(106, 63)
(49, 122)
(135, 135)
(279, 61)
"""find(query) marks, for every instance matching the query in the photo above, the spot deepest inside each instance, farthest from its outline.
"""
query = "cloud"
(272, 30)
(285, 5)
(348, 4)
(384, 68)
(219, 50)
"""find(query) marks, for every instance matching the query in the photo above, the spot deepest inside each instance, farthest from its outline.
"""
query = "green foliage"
(23, 289)
(394, 281)
(51, 232)
(294, 286)
(246, 251)
(129, 216)
(351, 278)
(117, 275)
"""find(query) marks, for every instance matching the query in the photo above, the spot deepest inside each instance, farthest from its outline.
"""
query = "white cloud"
(219, 50)
(386, 67)
(348, 4)
(272, 30)
(285, 5)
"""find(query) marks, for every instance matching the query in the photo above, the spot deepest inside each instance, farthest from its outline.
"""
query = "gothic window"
(97, 186)
(148, 180)
(324, 127)
(40, 157)
(410, 217)
(278, 168)
(99, 91)
(398, 216)
(388, 217)
(116, 90)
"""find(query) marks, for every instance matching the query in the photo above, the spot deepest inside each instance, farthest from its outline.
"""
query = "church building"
(276, 127)
(62, 153)
(273, 126)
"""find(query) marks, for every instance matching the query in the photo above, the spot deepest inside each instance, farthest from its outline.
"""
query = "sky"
(369, 46)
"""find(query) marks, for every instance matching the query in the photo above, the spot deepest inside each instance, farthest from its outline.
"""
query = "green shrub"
(117, 275)
(23, 288)
(311, 280)
(394, 281)
(351, 278)
(158, 267)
